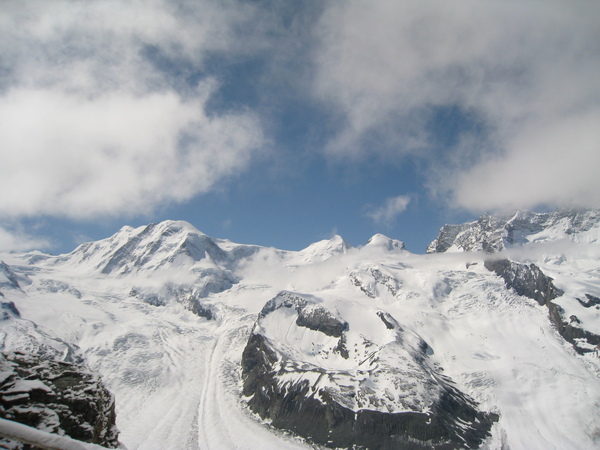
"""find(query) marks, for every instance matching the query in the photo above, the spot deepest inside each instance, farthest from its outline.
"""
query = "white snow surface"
(176, 376)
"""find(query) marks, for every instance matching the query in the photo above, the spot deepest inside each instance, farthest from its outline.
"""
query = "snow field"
(176, 376)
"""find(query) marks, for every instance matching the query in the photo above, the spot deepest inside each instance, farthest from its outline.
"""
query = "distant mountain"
(325, 249)
(153, 247)
(207, 343)
(492, 233)
(383, 242)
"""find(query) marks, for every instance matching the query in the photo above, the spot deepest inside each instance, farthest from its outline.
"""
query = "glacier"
(165, 314)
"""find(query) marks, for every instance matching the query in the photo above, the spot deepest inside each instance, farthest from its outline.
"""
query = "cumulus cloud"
(98, 115)
(524, 75)
(392, 207)
(554, 164)
(116, 154)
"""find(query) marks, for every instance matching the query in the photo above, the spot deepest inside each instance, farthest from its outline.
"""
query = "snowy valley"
(487, 341)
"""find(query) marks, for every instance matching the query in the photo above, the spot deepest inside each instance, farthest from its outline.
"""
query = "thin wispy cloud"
(392, 208)
(16, 239)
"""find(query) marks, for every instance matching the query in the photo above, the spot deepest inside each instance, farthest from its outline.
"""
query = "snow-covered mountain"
(493, 233)
(210, 344)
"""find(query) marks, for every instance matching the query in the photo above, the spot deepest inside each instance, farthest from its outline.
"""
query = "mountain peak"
(147, 248)
(381, 241)
(177, 226)
(325, 249)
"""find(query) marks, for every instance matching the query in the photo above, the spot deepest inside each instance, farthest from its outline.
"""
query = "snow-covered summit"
(325, 249)
(385, 243)
(148, 248)
(492, 233)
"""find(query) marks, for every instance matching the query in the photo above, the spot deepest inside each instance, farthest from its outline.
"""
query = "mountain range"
(489, 340)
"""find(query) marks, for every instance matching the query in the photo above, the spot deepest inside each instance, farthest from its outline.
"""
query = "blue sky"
(283, 123)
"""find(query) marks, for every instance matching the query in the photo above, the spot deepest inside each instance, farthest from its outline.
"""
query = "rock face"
(527, 280)
(492, 233)
(57, 397)
(583, 341)
(352, 379)
(530, 281)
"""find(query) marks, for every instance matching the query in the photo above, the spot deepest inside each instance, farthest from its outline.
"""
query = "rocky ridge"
(57, 397)
(493, 233)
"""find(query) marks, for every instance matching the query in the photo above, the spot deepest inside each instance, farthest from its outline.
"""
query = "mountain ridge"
(496, 232)
(169, 316)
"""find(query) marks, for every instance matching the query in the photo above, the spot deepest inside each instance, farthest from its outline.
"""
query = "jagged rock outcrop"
(527, 280)
(530, 281)
(306, 370)
(374, 282)
(58, 397)
(493, 233)
(8, 310)
(583, 341)
(309, 315)
(592, 300)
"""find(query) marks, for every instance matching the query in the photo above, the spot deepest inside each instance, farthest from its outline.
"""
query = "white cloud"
(526, 72)
(91, 125)
(554, 164)
(119, 154)
(17, 240)
(392, 207)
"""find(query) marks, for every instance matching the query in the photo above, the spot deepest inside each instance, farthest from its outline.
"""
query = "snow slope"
(129, 306)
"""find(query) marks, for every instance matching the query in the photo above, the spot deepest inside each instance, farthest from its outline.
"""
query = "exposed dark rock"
(322, 413)
(387, 319)
(370, 281)
(454, 421)
(581, 339)
(591, 301)
(201, 310)
(573, 318)
(320, 319)
(530, 281)
(311, 316)
(8, 310)
(57, 397)
(555, 313)
(527, 280)
(341, 347)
